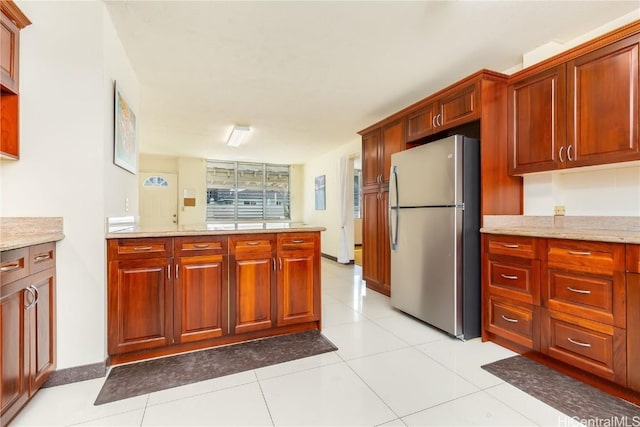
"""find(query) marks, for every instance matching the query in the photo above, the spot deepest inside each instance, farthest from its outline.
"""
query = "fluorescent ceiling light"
(237, 135)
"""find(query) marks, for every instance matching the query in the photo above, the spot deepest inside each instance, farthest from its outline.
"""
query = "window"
(244, 191)
(155, 181)
(357, 174)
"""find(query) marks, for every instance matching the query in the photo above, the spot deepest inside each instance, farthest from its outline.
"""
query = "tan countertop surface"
(595, 228)
(125, 231)
(20, 232)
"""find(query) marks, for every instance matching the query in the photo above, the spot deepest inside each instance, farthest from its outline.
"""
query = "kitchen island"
(183, 288)
(566, 291)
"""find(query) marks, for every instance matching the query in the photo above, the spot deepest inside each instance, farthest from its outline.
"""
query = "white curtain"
(343, 250)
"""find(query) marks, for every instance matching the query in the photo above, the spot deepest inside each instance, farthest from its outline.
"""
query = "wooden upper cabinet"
(537, 121)
(456, 106)
(603, 105)
(371, 159)
(377, 148)
(392, 142)
(9, 47)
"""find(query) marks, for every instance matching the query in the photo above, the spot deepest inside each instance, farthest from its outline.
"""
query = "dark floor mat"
(159, 374)
(576, 399)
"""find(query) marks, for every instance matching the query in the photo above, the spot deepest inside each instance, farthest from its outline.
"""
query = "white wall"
(329, 165)
(65, 169)
(192, 176)
(613, 190)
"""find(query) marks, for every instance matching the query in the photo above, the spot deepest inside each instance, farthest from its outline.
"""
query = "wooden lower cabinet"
(376, 252)
(194, 292)
(566, 299)
(140, 301)
(298, 289)
(27, 325)
(252, 282)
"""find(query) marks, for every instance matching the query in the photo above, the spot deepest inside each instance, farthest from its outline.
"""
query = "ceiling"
(307, 76)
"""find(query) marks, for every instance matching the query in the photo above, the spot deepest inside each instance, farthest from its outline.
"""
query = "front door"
(158, 199)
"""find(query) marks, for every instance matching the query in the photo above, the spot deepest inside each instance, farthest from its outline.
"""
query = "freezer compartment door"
(428, 175)
(425, 264)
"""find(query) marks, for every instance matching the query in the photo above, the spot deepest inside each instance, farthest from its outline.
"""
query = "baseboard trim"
(332, 258)
(76, 374)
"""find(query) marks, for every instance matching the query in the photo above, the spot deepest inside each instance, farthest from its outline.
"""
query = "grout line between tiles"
(264, 398)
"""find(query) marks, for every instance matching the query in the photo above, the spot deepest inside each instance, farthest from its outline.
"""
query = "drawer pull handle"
(510, 320)
(41, 257)
(579, 291)
(581, 344)
(297, 241)
(10, 267)
(510, 245)
(583, 253)
(201, 245)
(253, 243)
(142, 248)
(506, 276)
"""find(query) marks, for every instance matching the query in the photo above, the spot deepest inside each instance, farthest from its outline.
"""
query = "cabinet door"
(371, 159)
(392, 142)
(253, 281)
(461, 106)
(298, 282)
(371, 239)
(537, 122)
(422, 122)
(603, 105)
(200, 298)
(633, 330)
(14, 387)
(140, 305)
(42, 329)
(9, 42)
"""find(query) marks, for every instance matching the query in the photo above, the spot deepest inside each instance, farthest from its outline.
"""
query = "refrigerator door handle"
(393, 238)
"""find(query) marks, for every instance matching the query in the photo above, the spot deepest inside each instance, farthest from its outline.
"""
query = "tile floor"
(390, 370)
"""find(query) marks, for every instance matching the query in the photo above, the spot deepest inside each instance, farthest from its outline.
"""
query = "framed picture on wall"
(319, 186)
(125, 144)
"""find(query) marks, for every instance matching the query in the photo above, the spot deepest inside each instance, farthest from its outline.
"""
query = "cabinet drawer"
(297, 241)
(517, 246)
(599, 298)
(592, 346)
(253, 244)
(121, 249)
(515, 278)
(633, 258)
(511, 321)
(197, 246)
(14, 265)
(42, 257)
(594, 257)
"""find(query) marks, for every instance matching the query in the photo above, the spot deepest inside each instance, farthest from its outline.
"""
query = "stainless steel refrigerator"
(434, 223)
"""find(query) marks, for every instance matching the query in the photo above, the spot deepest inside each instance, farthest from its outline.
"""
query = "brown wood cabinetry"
(253, 281)
(579, 110)
(298, 295)
(456, 106)
(633, 317)
(566, 299)
(168, 295)
(200, 288)
(511, 289)
(27, 325)
(12, 20)
(376, 166)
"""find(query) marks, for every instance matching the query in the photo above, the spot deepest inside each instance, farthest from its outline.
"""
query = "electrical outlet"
(558, 210)
(126, 204)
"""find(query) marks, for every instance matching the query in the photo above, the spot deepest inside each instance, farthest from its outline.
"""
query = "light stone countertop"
(20, 232)
(595, 228)
(127, 231)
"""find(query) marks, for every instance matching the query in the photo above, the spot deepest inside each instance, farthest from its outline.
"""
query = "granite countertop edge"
(599, 235)
(17, 241)
(129, 234)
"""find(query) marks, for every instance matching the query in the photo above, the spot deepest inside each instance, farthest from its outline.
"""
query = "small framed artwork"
(319, 185)
(125, 145)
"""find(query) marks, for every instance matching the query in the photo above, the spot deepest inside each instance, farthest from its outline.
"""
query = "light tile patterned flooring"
(390, 370)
